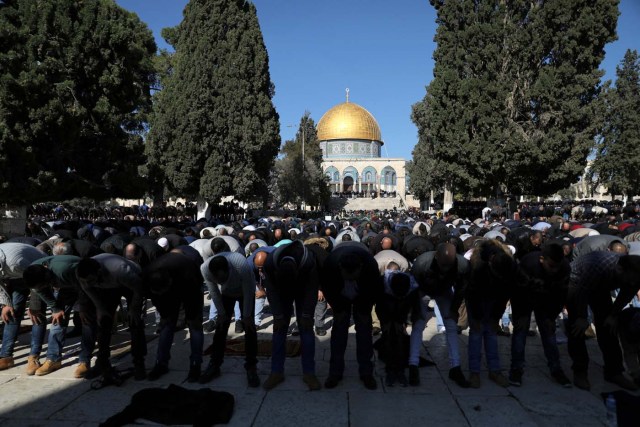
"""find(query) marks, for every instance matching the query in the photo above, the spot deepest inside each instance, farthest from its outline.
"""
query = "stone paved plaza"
(60, 400)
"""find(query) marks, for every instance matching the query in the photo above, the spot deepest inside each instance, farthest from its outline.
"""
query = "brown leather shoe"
(48, 367)
(81, 370)
(6, 363)
(311, 381)
(33, 364)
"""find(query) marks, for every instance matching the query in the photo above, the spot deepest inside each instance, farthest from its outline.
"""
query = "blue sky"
(380, 49)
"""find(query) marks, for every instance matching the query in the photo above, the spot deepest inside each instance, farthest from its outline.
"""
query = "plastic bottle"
(612, 414)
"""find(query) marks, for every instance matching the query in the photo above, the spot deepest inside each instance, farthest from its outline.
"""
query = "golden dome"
(348, 121)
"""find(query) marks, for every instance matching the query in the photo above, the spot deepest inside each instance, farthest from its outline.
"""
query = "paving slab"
(366, 410)
(38, 399)
(495, 410)
(282, 408)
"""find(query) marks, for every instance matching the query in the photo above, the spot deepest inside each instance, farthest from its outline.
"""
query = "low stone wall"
(12, 219)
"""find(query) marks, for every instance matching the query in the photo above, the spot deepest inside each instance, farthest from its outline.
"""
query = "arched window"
(336, 176)
(367, 177)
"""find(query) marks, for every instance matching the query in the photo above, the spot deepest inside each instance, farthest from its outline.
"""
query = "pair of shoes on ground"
(393, 377)
(370, 382)
(276, 378)
(332, 381)
(157, 371)
(495, 376)
(456, 375)
(498, 378)
(212, 371)
(515, 377)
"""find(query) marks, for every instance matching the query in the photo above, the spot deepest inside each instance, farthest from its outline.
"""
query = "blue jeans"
(213, 311)
(19, 294)
(260, 302)
(444, 302)
(65, 298)
(417, 328)
(483, 332)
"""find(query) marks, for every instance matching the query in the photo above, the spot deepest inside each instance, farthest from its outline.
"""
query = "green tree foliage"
(215, 131)
(75, 81)
(617, 162)
(298, 183)
(511, 106)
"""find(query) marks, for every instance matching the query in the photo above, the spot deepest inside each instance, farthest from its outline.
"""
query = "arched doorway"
(347, 184)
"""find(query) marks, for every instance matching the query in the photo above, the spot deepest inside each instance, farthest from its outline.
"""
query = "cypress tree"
(215, 131)
(617, 161)
(511, 106)
(295, 182)
(74, 90)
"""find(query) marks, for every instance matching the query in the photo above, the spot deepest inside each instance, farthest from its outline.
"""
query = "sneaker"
(210, 373)
(209, 326)
(253, 380)
(6, 363)
(456, 375)
(402, 379)
(474, 380)
(375, 331)
(48, 367)
(561, 378)
(515, 377)
(621, 381)
(239, 327)
(390, 379)
(498, 378)
(33, 364)
(332, 381)
(81, 370)
(311, 381)
(581, 380)
(321, 332)
(194, 373)
(273, 380)
(414, 375)
(157, 371)
(369, 382)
